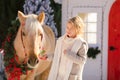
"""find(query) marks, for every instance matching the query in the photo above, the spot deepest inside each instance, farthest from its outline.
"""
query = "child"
(70, 53)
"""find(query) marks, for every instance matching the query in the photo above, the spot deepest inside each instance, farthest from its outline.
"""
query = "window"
(90, 29)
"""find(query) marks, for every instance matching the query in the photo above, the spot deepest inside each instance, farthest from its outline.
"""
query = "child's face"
(70, 30)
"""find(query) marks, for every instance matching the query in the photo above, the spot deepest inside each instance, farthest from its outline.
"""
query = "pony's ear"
(41, 17)
(21, 17)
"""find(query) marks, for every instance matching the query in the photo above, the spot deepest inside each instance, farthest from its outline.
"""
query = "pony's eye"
(23, 33)
(41, 35)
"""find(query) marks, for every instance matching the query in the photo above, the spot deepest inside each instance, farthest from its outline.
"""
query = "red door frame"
(114, 42)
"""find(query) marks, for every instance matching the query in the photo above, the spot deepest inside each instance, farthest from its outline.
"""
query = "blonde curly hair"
(78, 23)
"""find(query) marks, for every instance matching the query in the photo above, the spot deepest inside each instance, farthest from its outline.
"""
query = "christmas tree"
(37, 6)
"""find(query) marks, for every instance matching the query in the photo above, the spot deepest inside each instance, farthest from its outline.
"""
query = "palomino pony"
(31, 38)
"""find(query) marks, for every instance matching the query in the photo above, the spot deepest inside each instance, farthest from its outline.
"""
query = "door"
(114, 42)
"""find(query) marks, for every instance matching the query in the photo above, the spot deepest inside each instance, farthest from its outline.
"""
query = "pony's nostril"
(37, 61)
(28, 61)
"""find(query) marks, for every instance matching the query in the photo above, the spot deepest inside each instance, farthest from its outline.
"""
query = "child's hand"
(66, 51)
(43, 57)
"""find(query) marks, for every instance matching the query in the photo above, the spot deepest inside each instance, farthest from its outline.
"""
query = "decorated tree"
(37, 6)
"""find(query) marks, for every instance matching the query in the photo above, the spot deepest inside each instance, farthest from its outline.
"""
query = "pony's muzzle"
(32, 62)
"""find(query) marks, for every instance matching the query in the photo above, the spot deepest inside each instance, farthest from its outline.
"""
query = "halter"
(16, 57)
(25, 60)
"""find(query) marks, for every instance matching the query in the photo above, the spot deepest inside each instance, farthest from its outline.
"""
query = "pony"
(33, 37)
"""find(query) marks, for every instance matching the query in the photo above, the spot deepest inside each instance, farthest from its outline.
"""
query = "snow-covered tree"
(37, 6)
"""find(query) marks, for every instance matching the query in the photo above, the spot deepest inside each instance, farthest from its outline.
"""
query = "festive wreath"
(11, 66)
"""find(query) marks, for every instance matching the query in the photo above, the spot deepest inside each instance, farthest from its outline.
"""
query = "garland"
(93, 52)
(13, 69)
